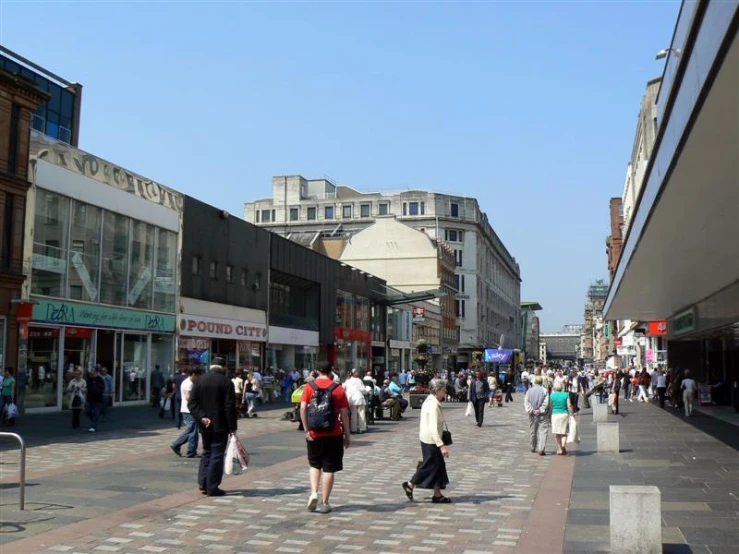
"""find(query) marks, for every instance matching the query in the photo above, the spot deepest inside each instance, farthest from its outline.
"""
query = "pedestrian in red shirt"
(324, 411)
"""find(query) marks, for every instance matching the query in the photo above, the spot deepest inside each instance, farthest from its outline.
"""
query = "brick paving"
(495, 480)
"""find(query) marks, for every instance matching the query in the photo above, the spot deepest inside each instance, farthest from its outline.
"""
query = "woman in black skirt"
(432, 472)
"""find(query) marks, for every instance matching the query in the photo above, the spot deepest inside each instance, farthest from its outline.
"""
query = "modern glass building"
(58, 117)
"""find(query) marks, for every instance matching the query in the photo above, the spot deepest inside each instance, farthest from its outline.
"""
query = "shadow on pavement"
(348, 508)
(479, 499)
(720, 430)
(268, 492)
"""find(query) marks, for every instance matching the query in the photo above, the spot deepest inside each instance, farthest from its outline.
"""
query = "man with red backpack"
(324, 411)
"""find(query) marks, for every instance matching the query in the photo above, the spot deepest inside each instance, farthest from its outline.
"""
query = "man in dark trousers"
(213, 405)
(157, 384)
(95, 397)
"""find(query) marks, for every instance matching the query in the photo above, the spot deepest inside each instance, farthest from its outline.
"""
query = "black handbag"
(446, 436)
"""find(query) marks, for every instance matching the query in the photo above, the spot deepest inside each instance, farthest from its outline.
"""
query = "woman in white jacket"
(354, 388)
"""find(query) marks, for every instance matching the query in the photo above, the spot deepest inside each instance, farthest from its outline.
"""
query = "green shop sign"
(89, 315)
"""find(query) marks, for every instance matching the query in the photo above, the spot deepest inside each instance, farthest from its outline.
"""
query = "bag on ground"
(470, 409)
(231, 460)
(321, 412)
(573, 434)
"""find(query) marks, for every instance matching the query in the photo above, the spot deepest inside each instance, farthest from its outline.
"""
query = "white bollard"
(600, 413)
(607, 438)
(636, 520)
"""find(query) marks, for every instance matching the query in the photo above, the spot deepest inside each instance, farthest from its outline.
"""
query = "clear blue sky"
(529, 106)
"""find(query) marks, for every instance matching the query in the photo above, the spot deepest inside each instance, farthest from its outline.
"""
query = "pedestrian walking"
(354, 388)
(213, 405)
(324, 412)
(76, 391)
(689, 389)
(644, 380)
(615, 388)
(661, 387)
(7, 391)
(167, 399)
(478, 394)
(95, 397)
(431, 474)
(574, 390)
(157, 384)
(177, 396)
(108, 393)
(250, 396)
(190, 435)
(561, 410)
(536, 404)
(509, 385)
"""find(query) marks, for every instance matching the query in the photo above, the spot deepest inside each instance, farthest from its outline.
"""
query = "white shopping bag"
(573, 434)
(470, 409)
(231, 460)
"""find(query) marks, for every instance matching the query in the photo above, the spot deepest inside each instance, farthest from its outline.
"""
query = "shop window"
(229, 274)
(346, 211)
(213, 270)
(196, 265)
(382, 209)
(294, 214)
(114, 274)
(43, 360)
(328, 212)
(311, 214)
(364, 210)
(454, 210)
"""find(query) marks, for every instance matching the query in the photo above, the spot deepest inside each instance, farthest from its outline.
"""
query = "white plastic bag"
(470, 409)
(11, 411)
(167, 404)
(231, 461)
(573, 434)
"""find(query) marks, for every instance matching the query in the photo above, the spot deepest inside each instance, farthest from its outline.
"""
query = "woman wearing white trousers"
(688, 386)
(354, 388)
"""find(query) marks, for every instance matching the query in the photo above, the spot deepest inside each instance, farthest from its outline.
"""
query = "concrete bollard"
(600, 413)
(636, 519)
(607, 438)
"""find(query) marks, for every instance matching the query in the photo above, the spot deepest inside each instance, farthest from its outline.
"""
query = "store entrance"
(126, 356)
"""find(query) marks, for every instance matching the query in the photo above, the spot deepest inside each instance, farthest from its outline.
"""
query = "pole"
(22, 484)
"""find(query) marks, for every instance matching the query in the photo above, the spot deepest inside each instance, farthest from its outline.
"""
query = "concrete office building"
(680, 260)
(562, 346)
(305, 210)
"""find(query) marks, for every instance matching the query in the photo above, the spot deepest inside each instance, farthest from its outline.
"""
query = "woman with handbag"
(76, 389)
(431, 474)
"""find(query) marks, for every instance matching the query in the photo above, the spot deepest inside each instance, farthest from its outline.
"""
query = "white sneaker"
(324, 508)
(312, 502)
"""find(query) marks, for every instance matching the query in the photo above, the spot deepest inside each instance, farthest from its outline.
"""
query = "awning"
(498, 356)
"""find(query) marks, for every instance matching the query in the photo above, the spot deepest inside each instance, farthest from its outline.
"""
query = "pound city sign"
(199, 326)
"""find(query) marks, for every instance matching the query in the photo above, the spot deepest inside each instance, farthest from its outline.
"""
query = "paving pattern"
(494, 483)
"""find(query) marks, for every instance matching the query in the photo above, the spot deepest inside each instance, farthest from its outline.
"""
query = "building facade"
(305, 210)
(562, 346)
(19, 97)
(101, 248)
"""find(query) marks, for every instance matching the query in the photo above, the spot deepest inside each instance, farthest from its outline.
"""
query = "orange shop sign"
(657, 328)
(216, 328)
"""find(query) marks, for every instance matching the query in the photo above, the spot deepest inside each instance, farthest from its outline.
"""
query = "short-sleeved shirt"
(340, 402)
(185, 387)
(688, 385)
(559, 402)
(8, 386)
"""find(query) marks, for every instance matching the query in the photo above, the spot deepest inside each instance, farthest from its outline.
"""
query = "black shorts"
(326, 453)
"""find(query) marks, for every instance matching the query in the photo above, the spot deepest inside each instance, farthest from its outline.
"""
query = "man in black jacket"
(95, 397)
(213, 405)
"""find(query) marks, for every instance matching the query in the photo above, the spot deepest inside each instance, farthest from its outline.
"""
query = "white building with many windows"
(487, 275)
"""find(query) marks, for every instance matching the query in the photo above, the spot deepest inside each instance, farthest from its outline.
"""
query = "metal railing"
(22, 483)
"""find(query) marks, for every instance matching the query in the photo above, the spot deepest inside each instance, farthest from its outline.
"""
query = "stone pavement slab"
(495, 481)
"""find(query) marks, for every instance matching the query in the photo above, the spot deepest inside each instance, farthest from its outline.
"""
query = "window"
(266, 216)
(294, 214)
(383, 209)
(458, 257)
(346, 211)
(423, 208)
(328, 212)
(454, 210)
(456, 282)
(273, 216)
(229, 273)
(413, 208)
(15, 116)
(462, 289)
(311, 214)
(8, 224)
(244, 273)
(364, 210)
(196, 265)
(405, 208)
(214, 270)
(75, 292)
(78, 246)
(257, 212)
(461, 308)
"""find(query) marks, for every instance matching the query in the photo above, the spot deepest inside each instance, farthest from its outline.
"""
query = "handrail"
(22, 484)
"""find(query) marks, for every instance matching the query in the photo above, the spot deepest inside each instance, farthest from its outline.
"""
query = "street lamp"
(665, 51)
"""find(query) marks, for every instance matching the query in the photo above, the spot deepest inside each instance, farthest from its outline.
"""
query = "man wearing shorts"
(325, 448)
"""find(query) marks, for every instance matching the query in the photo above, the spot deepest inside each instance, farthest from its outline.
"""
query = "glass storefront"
(249, 355)
(162, 353)
(134, 375)
(42, 365)
(238, 355)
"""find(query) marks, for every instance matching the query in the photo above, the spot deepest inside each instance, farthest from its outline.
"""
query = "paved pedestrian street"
(506, 499)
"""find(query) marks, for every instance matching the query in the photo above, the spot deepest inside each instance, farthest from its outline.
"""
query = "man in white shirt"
(190, 435)
(257, 380)
(661, 387)
(354, 388)
(688, 387)
(525, 379)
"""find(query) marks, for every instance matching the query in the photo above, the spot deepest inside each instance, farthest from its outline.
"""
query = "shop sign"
(649, 355)
(419, 315)
(684, 322)
(91, 315)
(657, 328)
(215, 328)
(618, 342)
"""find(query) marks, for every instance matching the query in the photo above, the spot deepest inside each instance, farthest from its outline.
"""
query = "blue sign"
(498, 356)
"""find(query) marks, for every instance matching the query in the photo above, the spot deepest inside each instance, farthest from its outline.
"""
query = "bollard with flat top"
(607, 438)
(636, 520)
(600, 413)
